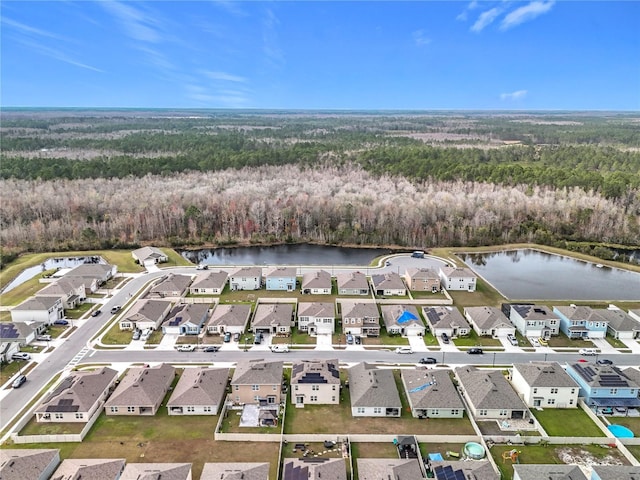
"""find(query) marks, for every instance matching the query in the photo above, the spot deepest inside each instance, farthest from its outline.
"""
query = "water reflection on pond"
(535, 275)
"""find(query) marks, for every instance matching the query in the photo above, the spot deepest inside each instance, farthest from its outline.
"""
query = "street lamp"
(493, 364)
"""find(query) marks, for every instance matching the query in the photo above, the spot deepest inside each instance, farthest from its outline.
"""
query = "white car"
(404, 350)
(279, 349)
(186, 348)
(21, 356)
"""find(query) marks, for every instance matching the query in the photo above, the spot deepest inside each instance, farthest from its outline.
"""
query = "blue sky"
(542, 54)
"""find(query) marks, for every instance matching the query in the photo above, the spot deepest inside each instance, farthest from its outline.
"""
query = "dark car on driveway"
(61, 321)
(445, 338)
(427, 360)
(475, 351)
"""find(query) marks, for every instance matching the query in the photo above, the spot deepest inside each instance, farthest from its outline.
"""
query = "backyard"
(567, 422)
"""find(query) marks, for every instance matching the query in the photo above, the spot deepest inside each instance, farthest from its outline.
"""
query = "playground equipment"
(511, 455)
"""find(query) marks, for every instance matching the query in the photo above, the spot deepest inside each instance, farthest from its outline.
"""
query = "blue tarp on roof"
(406, 317)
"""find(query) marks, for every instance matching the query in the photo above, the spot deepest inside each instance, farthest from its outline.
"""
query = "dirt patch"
(586, 459)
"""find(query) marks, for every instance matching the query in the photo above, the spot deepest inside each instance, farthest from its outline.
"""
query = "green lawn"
(473, 340)
(567, 422)
(561, 340)
(632, 423)
(485, 294)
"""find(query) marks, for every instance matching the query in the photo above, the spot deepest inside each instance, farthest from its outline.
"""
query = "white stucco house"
(458, 278)
(246, 278)
(544, 384)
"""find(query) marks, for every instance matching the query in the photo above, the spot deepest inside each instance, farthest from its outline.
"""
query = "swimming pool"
(474, 450)
(620, 431)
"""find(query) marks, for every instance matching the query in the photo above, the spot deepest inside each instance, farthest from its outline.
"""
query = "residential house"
(209, 283)
(536, 321)
(447, 320)
(422, 280)
(200, 391)
(316, 283)
(19, 333)
(352, 283)
(315, 382)
(235, 471)
(186, 319)
(281, 279)
(457, 278)
(316, 317)
(90, 468)
(157, 471)
(246, 278)
(273, 318)
(546, 385)
(402, 320)
(389, 468)
(388, 284)
(615, 472)
(171, 285)
(71, 291)
(78, 396)
(38, 309)
(489, 321)
(548, 472)
(635, 313)
(314, 468)
(474, 470)
(229, 318)
(146, 256)
(145, 314)
(373, 392)
(605, 386)
(360, 318)
(256, 380)
(28, 464)
(432, 394)
(489, 394)
(94, 275)
(581, 322)
(141, 391)
(620, 325)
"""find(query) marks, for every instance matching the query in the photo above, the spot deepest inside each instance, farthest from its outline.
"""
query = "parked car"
(258, 339)
(136, 334)
(606, 411)
(475, 351)
(445, 338)
(427, 360)
(404, 350)
(211, 348)
(21, 356)
(20, 379)
(236, 337)
(543, 342)
(95, 313)
(44, 338)
(186, 348)
(349, 339)
(279, 349)
(620, 410)
(588, 351)
(202, 267)
(604, 361)
(146, 334)
(387, 263)
(115, 309)
(227, 337)
(61, 321)
(512, 339)
(357, 339)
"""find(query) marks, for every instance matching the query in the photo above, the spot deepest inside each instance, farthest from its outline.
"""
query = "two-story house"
(360, 318)
(604, 386)
(489, 321)
(316, 283)
(71, 291)
(446, 320)
(315, 382)
(232, 318)
(93, 275)
(281, 279)
(186, 319)
(273, 318)
(373, 392)
(388, 284)
(256, 380)
(422, 279)
(546, 385)
(316, 318)
(38, 309)
(535, 320)
(209, 283)
(457, 278)
(402, 320)
(578, 321)
(246, 278)
(352, 283)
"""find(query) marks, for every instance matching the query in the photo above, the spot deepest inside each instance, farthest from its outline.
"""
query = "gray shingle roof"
(281, 272)
(252, 272)
(444, 317)
(316, 309)
(457, 272)
(148, 252)
(37, 303)
(235, 471)
(230, 315)
(359, 310)
(194, 313)
(316, 371)
(142, 386)
(147, 310)
(63, 286)
(422, 274)
(268, 314)
(594, 375)
(617, 472)
(545, 374)
(488, 390)
(388, 468)
(440, 392)
(619, 320)
(200, 386)
(319, 279)
(26, 464)
(487, 318)
(157, 471)
(549, 472)
(210, 280)
(535, 312)
(171, 283)
(314, 469)
(93, 468)
(94, 270)
(257, 372)
(579, 312)
(475, 470)
(390, 281)
(372, 387)
(352, 280)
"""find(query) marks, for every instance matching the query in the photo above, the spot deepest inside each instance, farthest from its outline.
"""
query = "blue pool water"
(620, 431)
(474, 450)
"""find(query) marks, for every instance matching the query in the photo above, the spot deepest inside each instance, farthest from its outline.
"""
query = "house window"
(314, 398)
(333, 399)
(455, 411)
(255, 388)
(59, 416)
(131, 409)
(334, 388)
(613, 391)
(79, 415)
(360, 410)
(377, 410)
(482, 413)
(503, 413)
(554, 390)
(535, 390)
(296, 387)
(256, 398)
(573, 391)
(274, 388)
(551, 401)
(207, 409)
(114, 409)
(237, 387)
(315, 388)
(571, 402)
(191, 409)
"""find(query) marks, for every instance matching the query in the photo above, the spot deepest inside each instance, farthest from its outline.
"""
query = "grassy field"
(632, 423)
(567, 422)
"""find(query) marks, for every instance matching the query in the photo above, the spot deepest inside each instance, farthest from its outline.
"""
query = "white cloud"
(526, 13)
(137, 24)
(58, 54)
(485, 19)
(270, 45)
(420, 38)
(224, 76)
(28, 30)
(463, 15)
(517, 95)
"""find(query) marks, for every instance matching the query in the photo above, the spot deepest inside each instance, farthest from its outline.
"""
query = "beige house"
(316, 317)
(255, 380)
(546, 385)
(149, 256)
(28, 464)
(78, 396)
(314, 468)
(422, 279)
(352, 283)
(373, 392)
(186, 319)
(235, 471)
(388, 284)
(360, 318)
(90, 468)
(489, 321)
(315, 382)
(71, 291)
(229, 318)
(447, 320)
(157, 471)
(171, 285)
(402, 320)
(200, 391)
(141, 391)
(273, 318)
(145, 314)
(209, 283)
(94, 275)
(316, 283)
(389, 468)
(476, 470)
(432, 394)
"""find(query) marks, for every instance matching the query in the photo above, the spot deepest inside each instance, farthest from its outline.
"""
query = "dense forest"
(89, 179)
